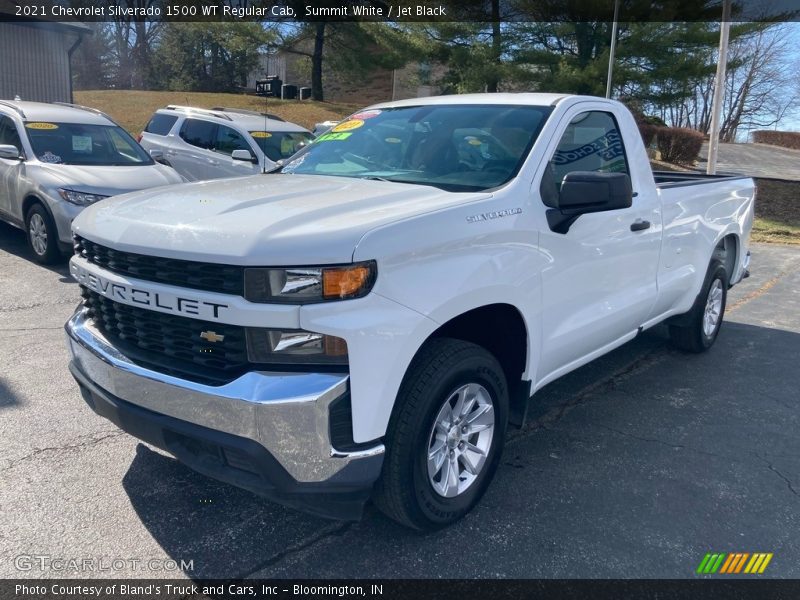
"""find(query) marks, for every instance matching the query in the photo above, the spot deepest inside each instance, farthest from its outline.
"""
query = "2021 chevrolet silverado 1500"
(365, 321)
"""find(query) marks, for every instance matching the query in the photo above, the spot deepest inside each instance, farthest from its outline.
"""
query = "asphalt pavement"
(754, 160)
(635, 465)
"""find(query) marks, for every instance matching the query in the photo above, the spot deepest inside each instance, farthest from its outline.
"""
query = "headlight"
(294, 346)
(312, 284)
(79, 198)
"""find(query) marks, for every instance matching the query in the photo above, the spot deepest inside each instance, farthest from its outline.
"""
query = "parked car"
(367, 320)
(221, 142)
(57, 159)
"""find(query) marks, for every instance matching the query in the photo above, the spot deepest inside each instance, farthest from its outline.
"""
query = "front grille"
(211, 277)
(170, 344)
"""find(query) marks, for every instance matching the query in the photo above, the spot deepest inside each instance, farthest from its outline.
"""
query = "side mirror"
(585, 192)
(10, 152)
(242, 155)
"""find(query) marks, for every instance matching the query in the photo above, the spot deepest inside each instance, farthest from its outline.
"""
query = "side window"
(199, 133)
(8, 133)
(229, 140)
(592, 142)
(161, 124)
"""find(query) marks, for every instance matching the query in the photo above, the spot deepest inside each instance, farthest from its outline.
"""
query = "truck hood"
(111, 181)
(268, 220)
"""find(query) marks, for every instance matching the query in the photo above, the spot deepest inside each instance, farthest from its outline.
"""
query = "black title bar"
(397, 10)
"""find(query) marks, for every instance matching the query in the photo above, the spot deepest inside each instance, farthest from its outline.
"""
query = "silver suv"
(56, 159)
(220, 142)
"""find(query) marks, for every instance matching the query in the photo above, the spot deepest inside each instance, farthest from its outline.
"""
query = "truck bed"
(682, 178)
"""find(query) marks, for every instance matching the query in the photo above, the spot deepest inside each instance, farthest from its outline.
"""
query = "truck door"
(600, 283)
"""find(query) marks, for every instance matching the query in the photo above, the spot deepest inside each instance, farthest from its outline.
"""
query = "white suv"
(220, 142)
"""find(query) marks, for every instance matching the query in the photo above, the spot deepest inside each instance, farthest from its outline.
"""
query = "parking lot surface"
(635, 465)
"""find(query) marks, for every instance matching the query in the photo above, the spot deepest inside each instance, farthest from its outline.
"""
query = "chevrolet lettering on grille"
(138, 296)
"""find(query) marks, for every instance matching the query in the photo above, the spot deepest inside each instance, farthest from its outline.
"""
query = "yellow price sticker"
(348, 125)
(261, 134)
(41, 125)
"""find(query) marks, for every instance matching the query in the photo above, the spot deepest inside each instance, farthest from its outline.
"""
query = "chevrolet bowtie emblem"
(211, 336)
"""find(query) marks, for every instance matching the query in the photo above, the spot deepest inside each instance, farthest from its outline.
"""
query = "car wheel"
(445, 436)
(42, 235)
(703, 321)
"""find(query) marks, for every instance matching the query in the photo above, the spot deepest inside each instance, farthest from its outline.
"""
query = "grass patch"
(133, 108)
(777, 212)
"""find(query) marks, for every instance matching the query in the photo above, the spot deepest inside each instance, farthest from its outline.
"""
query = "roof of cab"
(251, 122)
(58, 113)
(502, 98)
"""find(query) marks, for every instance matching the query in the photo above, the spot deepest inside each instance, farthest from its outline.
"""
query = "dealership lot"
(634, 466)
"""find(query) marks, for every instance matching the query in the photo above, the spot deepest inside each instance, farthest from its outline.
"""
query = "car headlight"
(294, 346)
(79, 198)
(304, 285)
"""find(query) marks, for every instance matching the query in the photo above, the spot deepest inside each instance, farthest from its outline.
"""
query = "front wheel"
(42, 235)
(446, 435)
(702, 323)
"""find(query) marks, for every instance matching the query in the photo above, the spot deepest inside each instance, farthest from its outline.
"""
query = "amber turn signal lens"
(346, 282)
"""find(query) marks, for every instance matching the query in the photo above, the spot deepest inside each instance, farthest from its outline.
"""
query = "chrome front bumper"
(285, 413)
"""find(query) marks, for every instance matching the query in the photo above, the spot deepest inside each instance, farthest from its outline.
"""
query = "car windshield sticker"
(364, 115)
(393, 140)
(82, 143)
(348, 125)
(261, 134)
(608, 147)
(49, 157)
(334, 137)
(473, 141)
(41, 125)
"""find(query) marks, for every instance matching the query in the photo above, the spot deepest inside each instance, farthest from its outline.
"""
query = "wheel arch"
(501, 329)
(727, 250)
(28, 202)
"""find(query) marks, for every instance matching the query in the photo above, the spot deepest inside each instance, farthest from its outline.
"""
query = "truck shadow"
(228, 532)
(13, 241)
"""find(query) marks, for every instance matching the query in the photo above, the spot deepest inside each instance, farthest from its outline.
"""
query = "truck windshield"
(80, 144)
(453, 147)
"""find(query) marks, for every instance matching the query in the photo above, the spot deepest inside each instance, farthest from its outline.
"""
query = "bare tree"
(759, 90)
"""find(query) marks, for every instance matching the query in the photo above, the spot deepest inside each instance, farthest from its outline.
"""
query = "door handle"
(639, 225)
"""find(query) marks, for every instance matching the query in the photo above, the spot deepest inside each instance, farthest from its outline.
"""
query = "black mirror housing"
(588, 192)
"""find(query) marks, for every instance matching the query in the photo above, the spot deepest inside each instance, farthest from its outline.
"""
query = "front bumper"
(265, 432)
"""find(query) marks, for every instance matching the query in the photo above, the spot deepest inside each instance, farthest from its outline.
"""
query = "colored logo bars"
(734, 562)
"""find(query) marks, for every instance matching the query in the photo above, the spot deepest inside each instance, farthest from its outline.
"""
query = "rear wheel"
(42, 235)
(702, 323)
(446, 435)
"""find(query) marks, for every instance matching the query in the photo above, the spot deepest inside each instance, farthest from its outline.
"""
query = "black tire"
(689, 335)
(48, 252)
(404, 492)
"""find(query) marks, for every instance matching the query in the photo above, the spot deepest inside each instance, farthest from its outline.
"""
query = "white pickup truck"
(365, 321)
